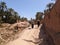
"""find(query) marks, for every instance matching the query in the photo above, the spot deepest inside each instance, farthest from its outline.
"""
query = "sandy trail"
(27, 37)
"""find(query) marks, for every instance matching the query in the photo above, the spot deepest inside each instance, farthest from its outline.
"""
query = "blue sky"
(27, 8)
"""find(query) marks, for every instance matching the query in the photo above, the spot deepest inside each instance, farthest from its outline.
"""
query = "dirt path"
(28, 37)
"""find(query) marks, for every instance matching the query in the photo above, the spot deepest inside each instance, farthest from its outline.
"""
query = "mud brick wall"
(52, 24)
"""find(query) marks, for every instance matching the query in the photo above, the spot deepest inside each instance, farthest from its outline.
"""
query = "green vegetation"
(8, 15)
(49, 8)
(39, 16)
(23, 18)
(46, 11)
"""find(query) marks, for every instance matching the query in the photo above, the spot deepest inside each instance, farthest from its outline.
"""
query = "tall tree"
(50, 5)
(23, 19)
(39, 16)
(11, 11)
(47, 11)
(8, 15)
(17, 17)
(3, 8)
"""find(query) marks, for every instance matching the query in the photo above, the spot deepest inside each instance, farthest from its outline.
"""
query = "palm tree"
(39, 16)
(16, 16)
(3, 8)
(47, 11)
(23, 19)
(11, 11)
(13, 15)
(50, 5)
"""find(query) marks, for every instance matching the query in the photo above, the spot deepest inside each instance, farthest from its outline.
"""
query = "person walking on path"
(32, 24)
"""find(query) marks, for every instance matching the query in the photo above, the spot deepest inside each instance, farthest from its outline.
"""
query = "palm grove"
(8, 15)
(39, 15)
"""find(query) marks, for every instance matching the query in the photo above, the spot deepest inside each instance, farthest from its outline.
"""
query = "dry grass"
(7, 35)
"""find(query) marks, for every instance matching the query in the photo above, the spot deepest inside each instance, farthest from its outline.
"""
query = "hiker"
(32, 24)
(38, 23)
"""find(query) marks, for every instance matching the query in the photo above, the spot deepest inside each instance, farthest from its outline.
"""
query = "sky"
(27, 8)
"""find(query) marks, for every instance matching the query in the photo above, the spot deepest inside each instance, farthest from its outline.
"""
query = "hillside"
(9, 32)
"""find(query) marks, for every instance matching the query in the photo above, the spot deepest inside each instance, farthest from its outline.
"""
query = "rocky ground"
(29, 36)
(7, 34)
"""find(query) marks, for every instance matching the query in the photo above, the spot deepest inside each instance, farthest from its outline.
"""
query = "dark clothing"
(32, 25)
